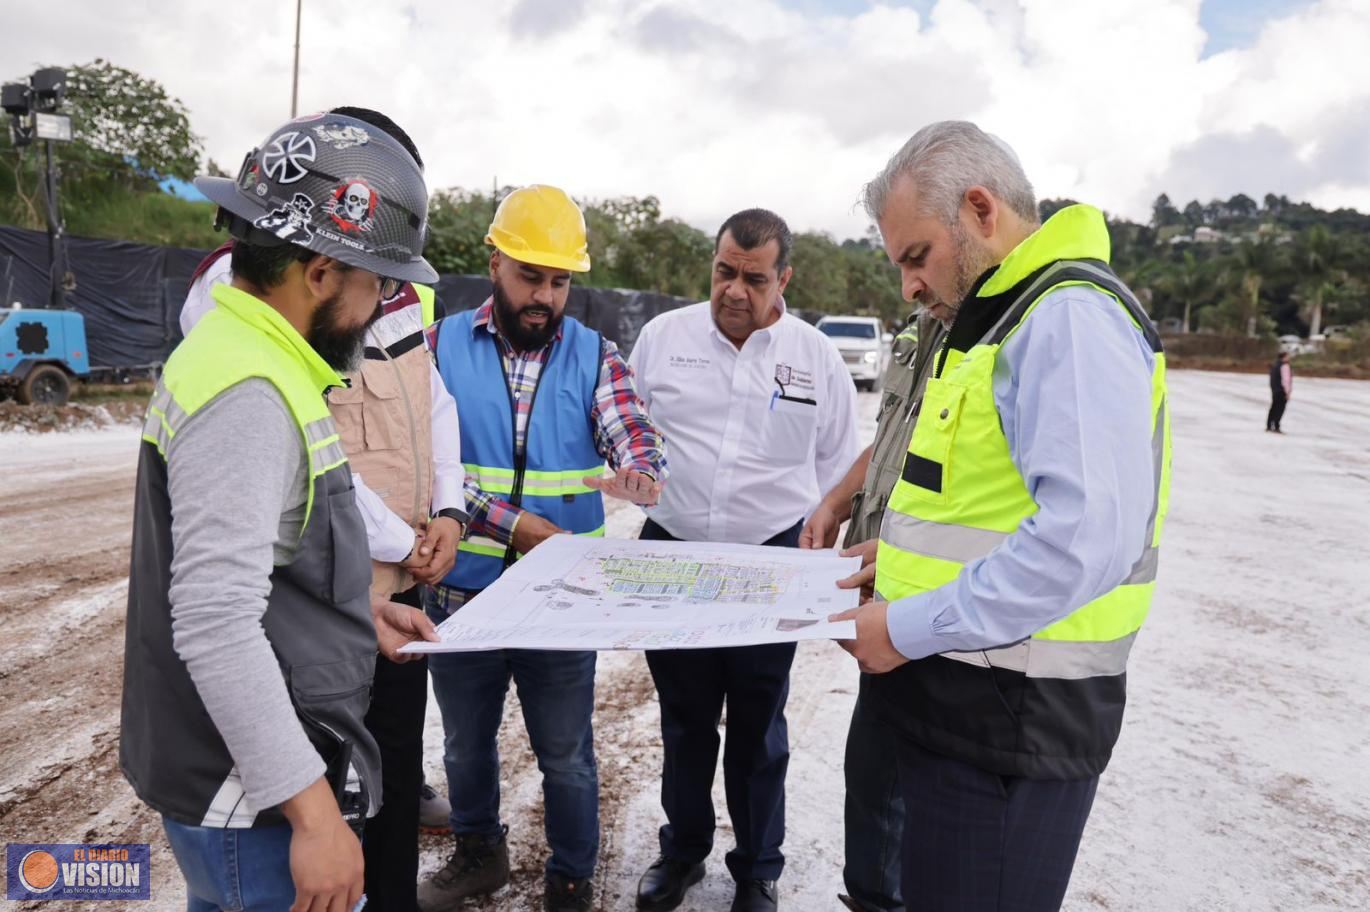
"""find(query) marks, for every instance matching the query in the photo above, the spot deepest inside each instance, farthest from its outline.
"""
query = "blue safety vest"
(559, 446)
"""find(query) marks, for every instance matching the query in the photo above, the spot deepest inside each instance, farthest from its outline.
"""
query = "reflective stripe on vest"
(545, 484)
(559, 441)
(426, 296)
(483, 545)
(961, 496)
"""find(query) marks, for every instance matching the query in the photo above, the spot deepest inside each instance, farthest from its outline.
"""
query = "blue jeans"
(233, 870)
(874, 812)
(557, 692)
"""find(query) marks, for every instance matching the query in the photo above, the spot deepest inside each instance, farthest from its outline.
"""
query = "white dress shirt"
(199, 297)
(755, 436)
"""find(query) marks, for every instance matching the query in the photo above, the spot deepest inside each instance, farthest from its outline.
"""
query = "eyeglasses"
(390, 287)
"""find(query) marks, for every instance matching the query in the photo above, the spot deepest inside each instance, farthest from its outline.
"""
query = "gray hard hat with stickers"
(335, 185)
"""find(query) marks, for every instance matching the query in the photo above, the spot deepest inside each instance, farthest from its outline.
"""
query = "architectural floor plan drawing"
(595, 593)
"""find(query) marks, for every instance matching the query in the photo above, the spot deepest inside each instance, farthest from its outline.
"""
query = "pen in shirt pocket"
(776, 396)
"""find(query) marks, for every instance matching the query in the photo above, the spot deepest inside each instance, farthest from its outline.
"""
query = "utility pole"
(295, 80)
(57, 250)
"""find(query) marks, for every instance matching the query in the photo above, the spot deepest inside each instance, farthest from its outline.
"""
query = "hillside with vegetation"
(1236, 267)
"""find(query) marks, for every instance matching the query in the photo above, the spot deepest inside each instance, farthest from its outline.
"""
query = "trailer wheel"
(45, 385)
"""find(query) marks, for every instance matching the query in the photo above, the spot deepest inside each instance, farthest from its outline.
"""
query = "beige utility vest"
(385, 420)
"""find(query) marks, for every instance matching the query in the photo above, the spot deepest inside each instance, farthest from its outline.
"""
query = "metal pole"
(58, 266)
(295, 80)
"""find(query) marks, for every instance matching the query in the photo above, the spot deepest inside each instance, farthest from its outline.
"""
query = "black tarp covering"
(619, 315)
(131, 295)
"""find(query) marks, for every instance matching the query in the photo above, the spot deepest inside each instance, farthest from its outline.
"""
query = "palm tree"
(1189, 282)
(1316, 260)
(1251, 261)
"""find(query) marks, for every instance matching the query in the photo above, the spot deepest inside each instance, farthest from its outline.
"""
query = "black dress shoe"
(754, 896)
(663, 887)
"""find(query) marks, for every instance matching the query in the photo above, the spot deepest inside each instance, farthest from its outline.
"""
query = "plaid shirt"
(624, 435)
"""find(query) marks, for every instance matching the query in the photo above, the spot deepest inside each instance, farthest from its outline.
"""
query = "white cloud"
(714, 105)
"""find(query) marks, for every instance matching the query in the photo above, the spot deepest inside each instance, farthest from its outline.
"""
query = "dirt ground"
(92, 406)
(1238, 782)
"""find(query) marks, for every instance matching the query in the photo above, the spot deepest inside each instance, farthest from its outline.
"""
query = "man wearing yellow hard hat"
(545, 402)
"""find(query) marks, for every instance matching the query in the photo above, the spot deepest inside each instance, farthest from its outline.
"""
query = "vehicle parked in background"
(864, 345)
(1294, 345)
(41, 352)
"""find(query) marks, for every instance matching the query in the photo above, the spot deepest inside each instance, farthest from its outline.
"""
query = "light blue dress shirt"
(1073, 390)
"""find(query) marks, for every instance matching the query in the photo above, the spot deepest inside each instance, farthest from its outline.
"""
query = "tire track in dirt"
(626, 757)
(63, 584)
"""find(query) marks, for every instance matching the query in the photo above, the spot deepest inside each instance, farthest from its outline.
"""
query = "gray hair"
(946, 159)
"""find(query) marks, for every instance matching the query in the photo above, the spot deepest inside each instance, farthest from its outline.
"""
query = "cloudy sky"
(715, 105)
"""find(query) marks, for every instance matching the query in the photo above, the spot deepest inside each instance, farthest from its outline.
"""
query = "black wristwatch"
(453, 513)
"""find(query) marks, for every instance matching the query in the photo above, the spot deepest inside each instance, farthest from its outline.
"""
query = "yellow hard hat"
(542, 226)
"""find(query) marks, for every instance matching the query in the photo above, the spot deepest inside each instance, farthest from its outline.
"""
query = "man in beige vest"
(399, 429)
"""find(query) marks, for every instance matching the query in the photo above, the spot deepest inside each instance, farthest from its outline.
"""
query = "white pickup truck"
(864, 345)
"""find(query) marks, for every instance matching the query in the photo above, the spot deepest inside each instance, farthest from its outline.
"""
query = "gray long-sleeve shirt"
(237, 475)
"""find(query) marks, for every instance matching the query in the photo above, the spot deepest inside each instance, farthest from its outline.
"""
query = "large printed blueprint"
(573, 592)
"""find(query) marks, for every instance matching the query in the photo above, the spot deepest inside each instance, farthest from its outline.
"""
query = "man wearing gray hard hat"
(251, 638)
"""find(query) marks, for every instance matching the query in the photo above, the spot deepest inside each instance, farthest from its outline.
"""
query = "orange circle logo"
(38, 872)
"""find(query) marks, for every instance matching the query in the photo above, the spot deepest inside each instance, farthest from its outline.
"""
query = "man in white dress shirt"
(760, 415)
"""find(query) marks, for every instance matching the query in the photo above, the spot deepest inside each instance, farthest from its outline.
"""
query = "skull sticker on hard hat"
(353, 206)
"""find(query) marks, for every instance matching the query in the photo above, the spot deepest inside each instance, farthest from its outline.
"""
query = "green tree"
(1317, 258)
(632, 246)
(1163, 212)
(128, 134)
(873, 284)
(820, 276)
(128, 125)
(1242, 206)
(1189, 283)
(1251, 262)
(667, 256)
(457, 223)
(1193, 214)
(1048, 207)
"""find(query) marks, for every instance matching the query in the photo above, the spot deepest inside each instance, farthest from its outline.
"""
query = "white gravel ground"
(1239, 782)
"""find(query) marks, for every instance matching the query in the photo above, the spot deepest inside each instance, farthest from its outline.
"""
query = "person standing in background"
(1281, 390)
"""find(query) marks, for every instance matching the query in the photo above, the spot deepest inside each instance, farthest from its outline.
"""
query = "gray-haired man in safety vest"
(1018, 551)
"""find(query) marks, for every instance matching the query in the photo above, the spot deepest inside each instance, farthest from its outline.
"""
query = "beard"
(523, 338)
(340, 347)
(970, 260)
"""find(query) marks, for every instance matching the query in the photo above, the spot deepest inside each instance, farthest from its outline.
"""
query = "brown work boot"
(479, 865)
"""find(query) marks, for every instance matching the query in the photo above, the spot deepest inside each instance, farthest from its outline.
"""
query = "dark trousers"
(873, 813)
(980, 842)
(1278, 400)
(692, 686)
(390, 844)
